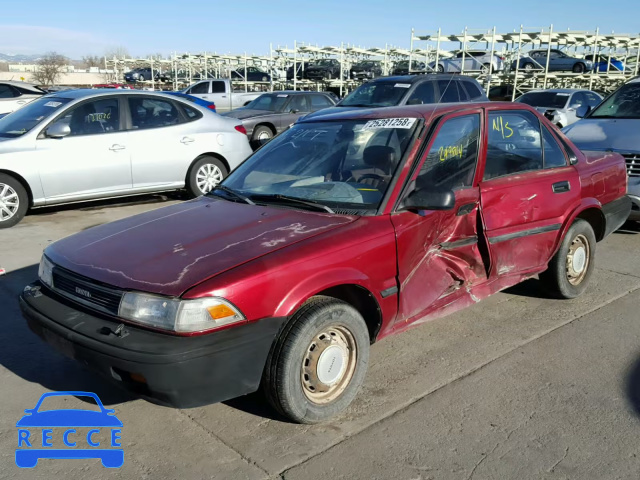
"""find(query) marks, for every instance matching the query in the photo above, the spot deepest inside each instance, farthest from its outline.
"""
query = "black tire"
(9, 184)
(191, 183)
(328, 76)
(286, 385)
(557, 279)
(485, 68)
(261, 131)
(141, 78)
(528, 66)
(265, 79)
(440, 69)
(579, 68)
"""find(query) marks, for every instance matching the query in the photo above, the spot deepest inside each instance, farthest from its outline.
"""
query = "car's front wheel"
(14, 201)
(319, 361)
(261, 135)
(571, 267)
(579, 68)
(205, 174)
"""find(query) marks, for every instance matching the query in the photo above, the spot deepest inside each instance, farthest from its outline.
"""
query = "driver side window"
(91, 118)
(514, 144)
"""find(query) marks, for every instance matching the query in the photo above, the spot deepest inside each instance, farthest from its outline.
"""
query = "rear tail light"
(241, 129)
(211, 107)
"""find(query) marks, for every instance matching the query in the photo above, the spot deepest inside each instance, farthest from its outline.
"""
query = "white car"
(87, 144)
(15, 95)
(563, 106)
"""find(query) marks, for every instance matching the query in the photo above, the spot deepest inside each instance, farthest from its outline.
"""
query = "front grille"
(83, 290)
(633, 164)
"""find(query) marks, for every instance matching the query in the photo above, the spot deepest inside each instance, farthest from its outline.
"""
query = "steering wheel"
(371, 176)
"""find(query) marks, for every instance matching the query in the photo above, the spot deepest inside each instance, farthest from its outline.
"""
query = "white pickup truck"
(221, 92)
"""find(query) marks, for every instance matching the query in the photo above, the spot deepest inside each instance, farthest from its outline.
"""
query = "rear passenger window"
(423, 93)
(553, 155)
(448, 91)
(514, 144)
(473, 90)
(451, 161)
(319, 101)
(152, 113)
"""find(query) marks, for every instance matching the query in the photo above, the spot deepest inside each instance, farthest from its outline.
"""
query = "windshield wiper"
(233, 193)
(293, 200)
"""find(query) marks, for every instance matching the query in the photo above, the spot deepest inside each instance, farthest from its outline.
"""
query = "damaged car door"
(438, 250)
(528, 189)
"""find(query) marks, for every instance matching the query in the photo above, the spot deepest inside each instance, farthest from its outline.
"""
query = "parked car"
(145, 74)
(271, 113)
(15, 95)
(301, 67)
(558, 62)
(501, 93)
(325, 69)
(341, 231)
(402, 67)
(614, 126)
(91, 144)
(563, 106)
(112, 85)
(410, 90)
(198, 101)
(600, 63)
(366, 70)
(253, 74)
(221, 92)
(474, 60)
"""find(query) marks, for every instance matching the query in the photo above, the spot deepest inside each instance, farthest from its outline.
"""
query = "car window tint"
(553, 154)
(464, 96)
(592, 99)
(424, 93)
(152, 113)
(514, 144)
(217, 87)
(191, 113)
(452, 158)
(7, 92)
(577, 100)
(299, 103)
(319, 101)
(91, 118)
(474, 90)
(200, 88)
(448, 91)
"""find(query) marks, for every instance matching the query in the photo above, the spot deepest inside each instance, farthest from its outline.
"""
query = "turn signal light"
(241, 129)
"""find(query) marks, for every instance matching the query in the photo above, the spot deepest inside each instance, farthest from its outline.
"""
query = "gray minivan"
(615, 126)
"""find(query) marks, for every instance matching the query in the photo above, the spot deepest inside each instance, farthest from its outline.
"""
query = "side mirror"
(582, 111)
(293, 110)
(428, 199)
(58, 130)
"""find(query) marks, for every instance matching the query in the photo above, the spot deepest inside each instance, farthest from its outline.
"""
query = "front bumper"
(177, 371)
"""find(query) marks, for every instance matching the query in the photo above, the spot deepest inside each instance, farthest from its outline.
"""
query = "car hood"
(243, 113)
(330, 110)
(169, 250)
(615, 134)
(69, 418)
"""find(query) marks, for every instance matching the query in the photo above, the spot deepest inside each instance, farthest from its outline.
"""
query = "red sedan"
(342, 230)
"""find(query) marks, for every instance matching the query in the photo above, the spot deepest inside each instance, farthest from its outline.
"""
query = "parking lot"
(518, 386)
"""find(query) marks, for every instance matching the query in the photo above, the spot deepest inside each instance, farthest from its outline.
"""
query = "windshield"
(365, 64)
(344, 165)
(25, 119)
(272, 103)
(324, 62)
(378, 94)
(545, 99)
(624, 103)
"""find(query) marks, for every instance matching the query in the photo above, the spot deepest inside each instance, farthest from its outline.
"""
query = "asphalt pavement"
(519, 386)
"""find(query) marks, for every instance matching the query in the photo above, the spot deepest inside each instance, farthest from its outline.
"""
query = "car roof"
(89, 92)
(419, 78)
(25, 85)
(411, 111)
(559, 90)
(294, 92)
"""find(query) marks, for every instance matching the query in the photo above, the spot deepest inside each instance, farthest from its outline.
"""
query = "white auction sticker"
(389, 123)
(283, 96)
(53, 104)
(402, 85)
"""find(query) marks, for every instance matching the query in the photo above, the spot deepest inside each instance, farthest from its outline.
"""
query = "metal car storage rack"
(427, 48)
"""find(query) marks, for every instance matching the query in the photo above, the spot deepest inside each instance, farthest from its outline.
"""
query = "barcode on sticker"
(389, 123)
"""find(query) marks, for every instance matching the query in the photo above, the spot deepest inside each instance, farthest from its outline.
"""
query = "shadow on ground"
(633, 387)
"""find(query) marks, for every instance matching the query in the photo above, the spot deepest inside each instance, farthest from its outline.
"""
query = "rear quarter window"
(473, 90)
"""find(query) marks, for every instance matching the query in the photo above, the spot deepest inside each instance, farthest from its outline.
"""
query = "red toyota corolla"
(345, 229)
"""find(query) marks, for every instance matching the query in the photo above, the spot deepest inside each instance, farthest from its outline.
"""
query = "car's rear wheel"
(319, 361)
(205, 174)
(440, 69)
(485, 68)
(261, 135)
(14, 201)
(265, 79)
(571, 267)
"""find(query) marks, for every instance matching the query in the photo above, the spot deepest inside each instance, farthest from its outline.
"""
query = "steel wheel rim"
(9, 202)
(578, 259)
(263, 136)
(330, 357)
(207, 177)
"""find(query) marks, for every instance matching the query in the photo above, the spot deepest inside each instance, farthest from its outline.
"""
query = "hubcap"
(263, 136)
(329, 364)
(207, 177)
(9, 202)
(578, 260)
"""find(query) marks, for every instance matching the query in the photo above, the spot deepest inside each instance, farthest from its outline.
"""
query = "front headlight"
(183, 316)
(45, 271)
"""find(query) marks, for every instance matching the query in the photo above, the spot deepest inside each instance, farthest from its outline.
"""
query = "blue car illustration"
(69, 418)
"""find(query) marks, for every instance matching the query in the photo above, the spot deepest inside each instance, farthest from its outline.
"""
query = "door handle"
(115, 147)
(223, 96)
(186, 140)
(561, 187)
(21, 102)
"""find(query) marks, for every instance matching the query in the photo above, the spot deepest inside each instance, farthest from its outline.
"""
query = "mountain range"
(19, 58)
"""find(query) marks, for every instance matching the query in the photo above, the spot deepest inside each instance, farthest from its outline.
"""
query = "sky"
(76, 28)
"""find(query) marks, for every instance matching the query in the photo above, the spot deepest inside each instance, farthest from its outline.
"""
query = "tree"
(118, 52)
(49, 68)
(93, 61)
